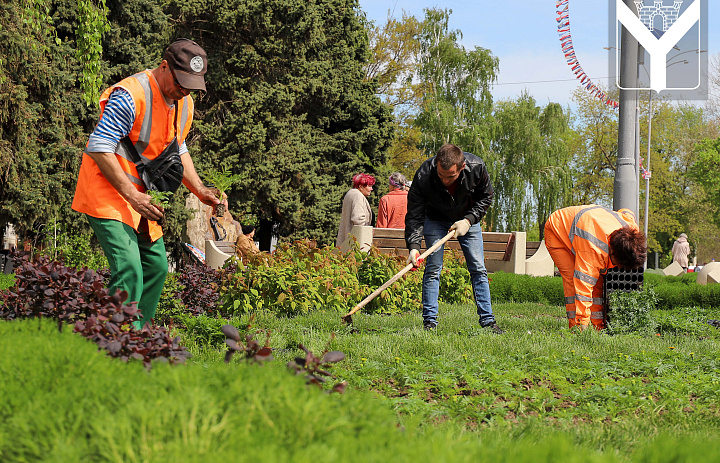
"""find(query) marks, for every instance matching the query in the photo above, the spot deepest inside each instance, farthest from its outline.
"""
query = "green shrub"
(170, 305)
(299, 278)
(295, 279)
(455, 286)
(630, 312)
(7, 281)
(508, 287)
(682, 291)
(74, 248)
(679, 294)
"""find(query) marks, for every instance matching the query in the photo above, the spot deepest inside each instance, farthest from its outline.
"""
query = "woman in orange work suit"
(584, 241)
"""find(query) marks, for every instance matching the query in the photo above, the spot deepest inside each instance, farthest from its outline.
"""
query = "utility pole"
(625, 188)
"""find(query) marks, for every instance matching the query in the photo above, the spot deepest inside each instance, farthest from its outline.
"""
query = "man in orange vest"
(584, 241)
(149, 113)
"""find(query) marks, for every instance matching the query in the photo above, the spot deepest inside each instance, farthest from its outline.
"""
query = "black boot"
(494, 328)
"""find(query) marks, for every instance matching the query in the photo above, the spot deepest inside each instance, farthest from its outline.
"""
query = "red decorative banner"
(563, 20)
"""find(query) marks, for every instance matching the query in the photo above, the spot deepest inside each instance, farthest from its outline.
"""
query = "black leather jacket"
(429, 198)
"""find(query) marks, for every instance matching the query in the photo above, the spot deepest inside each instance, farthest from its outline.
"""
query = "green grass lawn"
(613, 394)
(537, 393)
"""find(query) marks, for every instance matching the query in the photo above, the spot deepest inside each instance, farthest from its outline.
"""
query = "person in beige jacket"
(681, 250)
(355, 207)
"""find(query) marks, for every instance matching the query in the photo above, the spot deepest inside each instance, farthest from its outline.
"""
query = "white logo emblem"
(196, 64)
(674, 28)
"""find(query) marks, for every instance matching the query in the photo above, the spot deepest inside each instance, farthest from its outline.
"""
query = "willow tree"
(457, 103)
(394, 50)
(532, 175)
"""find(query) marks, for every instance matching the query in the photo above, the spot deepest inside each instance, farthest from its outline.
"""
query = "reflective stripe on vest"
(145, 129)
(574, 230)
(570, 300)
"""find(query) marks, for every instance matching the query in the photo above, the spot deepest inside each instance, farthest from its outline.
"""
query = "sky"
(523, 35)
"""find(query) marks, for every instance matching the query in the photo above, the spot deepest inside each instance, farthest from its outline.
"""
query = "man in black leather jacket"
(450, 191)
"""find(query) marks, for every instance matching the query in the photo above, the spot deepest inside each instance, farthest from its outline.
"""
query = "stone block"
(713, 276)
(214, 257)
(540, 264)
(702, 277)
(673, 270)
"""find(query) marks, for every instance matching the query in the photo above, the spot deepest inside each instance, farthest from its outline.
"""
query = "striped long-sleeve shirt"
(115, 124)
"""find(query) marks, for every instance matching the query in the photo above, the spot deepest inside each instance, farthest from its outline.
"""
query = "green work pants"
(137, 265)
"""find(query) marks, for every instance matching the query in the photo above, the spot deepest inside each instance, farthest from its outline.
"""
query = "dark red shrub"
(45, 288)
(201, 288)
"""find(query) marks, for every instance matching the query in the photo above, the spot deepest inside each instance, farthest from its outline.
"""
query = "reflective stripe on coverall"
(577, 239)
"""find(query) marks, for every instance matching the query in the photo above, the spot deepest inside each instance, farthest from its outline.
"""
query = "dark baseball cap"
(188, 61)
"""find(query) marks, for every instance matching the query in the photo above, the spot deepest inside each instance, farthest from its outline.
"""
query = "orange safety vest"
(584, 231)
(151, 133)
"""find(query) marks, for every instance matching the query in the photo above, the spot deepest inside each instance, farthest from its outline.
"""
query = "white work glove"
(413, 257)
(461, 227)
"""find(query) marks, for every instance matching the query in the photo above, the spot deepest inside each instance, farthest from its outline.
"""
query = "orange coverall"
(577, 239)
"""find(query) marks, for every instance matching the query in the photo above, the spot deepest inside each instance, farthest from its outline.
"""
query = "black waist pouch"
(164, 173)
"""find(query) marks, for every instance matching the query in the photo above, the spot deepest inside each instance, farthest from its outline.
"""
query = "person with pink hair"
(355, 207)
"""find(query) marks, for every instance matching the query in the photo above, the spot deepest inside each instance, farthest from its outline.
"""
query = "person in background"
(450, 191)
(153, 111)
(245, 244)
(355, 206)
(393, 206)
(681, 250)
(584, 241)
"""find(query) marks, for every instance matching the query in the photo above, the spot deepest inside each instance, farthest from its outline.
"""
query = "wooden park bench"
(505, 252)
(497, 246)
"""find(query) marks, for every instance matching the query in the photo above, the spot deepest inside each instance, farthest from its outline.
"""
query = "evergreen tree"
(43, 115)
(287, 108)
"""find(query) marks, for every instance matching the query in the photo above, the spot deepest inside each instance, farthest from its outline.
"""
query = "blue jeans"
(472, 247)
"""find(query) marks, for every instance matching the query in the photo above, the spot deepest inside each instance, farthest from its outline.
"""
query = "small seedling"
(251, 348)
(315, 367)
(222, 180)
(162, 199)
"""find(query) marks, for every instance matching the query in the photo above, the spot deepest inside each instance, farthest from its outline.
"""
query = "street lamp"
(649, 137)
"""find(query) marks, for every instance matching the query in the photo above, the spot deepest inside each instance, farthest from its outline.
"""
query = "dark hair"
(628, 247)
(363, 180)
(450, 155)
(247, 229)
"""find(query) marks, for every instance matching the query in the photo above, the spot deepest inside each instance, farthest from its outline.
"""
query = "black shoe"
(429, 326)
(494, 328)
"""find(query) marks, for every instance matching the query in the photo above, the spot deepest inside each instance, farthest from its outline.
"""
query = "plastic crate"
(621, 279)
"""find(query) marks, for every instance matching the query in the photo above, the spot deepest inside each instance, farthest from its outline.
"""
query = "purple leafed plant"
(251, 348)
(315, 368)
(45, 288)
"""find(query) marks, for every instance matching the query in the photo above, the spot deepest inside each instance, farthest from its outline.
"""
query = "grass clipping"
(629, 312)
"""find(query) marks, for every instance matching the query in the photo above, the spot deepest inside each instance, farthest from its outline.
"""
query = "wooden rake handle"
(399, 274)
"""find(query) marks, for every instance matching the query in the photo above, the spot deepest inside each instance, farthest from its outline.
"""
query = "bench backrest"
(531, 248)
(497, 246)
